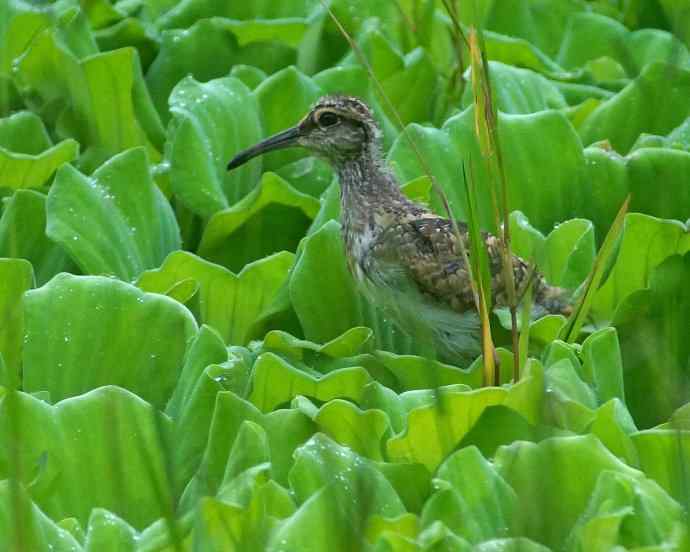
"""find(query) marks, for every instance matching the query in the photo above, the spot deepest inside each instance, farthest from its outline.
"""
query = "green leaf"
(613, 425)
(192, 403)
(592, 36)
(519, 544)
(116, 222)
(400, 77)
(568, 253)
(73, 527)
(128, 32)
(22, 234)
(310, 175)
(72, 30)
(645, 244)
(24, 132)
(206, 349)
(9, 96)
(273, 217)
(677, 14)
(679, 420)
(107, 530)
(220, 526)
(624, 510)
(199, 146)
(607, 186)
(285, 429)
(412, 482)
(667, 166)
(555, 479)
(100, 100)
(652, 325)
(24, 526)
(525, 240)
(518, 52)
(249, 512)
(542, 22)
(650, 45)
(109, 426)
(415, 372)
(663, 456)
(564, 377)
(349, 79)
(257, 14)
(680, 136)
(544, 330)
(21, 170)
(338, 490)
(249, 457)
(602, 365)
(275, 382)
(518, 90)
(360, 430)
(19, 24)
(284, 98)
(246, 481)
(251, 76)
(583, 305)
(346, 345)
(210, 47)
(500, 425)
(288, 31)
(434, 430)
(472, 499)
(17, 277)
(659, 84)
(230, 303)
(438, 538)
(565, 256)
(611, 177)
(542, 157)
(102, 13)
(405, 525)
(86, 331)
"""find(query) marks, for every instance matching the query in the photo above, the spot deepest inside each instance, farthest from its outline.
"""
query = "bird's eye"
(328, 119)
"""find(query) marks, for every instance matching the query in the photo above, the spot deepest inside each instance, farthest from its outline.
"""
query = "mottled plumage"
(406, 258)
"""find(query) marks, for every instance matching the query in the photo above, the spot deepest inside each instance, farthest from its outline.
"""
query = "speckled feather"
(428, 249)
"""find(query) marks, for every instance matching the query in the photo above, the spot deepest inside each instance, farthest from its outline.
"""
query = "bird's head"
(337, 128)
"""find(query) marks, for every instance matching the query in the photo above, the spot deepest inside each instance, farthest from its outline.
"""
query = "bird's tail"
(554, 300)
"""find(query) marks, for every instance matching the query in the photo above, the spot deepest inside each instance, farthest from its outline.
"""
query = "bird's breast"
(358, 244)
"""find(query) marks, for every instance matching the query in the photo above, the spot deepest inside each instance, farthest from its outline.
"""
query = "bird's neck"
(368, 192)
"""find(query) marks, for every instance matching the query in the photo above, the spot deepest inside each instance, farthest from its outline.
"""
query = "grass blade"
(486, 130)
(478, 265)
(572, 328)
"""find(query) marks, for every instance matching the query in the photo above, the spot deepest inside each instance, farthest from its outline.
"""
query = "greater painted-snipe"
(406, 257)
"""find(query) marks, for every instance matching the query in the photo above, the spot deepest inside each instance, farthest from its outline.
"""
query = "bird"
(406, 258)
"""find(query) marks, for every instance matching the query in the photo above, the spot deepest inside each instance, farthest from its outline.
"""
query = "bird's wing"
(422, 259)
(428, 251)
(424, 253)
(420, 279)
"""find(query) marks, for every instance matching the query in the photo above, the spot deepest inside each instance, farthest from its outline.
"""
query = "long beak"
(283, 139)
